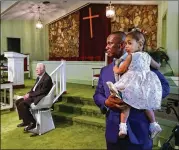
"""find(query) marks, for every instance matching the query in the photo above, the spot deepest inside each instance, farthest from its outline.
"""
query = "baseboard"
(18, 86)
(86, 82)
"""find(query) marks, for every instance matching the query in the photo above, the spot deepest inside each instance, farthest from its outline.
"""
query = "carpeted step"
(78, 119)
(78, 100)
(155, 147)
(83, 120)
(86, 110)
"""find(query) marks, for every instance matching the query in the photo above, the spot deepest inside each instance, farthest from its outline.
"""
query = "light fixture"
(110, 12)
(39, 24)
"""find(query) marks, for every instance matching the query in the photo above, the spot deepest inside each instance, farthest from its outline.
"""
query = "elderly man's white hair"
(41, 66)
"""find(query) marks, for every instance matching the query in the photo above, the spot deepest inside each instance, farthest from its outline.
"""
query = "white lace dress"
(139, 86)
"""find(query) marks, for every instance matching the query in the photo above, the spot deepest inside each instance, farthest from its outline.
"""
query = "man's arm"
(164, 83)
(103, 102)
(99, 96)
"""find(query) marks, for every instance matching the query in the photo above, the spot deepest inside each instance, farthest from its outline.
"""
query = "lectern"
(15, 68)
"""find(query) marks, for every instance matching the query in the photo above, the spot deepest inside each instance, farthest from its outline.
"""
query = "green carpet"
(79, 123)
(28, 85)
(80, 90)
(65, 136)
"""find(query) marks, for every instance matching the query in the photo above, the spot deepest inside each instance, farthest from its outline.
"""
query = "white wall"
(76, 71)
(172, 35)
(162, 10)
(170, 8)
(33, 41)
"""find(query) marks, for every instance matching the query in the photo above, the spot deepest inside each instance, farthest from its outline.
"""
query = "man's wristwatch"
(105, 109)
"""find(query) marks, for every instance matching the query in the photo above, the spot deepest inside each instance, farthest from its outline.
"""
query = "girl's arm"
(154, 64)
(124, 66)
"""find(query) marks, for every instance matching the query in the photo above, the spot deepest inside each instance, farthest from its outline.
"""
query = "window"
(13, 44)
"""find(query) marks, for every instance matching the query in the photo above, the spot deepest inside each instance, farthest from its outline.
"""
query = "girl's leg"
(151, 116)
(125, 114)
(154, 126)
(123, 126)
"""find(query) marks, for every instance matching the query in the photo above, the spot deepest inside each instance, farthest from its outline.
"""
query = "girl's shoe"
(122, 130)
(113, 89)
(154, 129)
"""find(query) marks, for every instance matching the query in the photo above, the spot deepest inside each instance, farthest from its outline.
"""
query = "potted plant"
(3, 59)
(159, 55)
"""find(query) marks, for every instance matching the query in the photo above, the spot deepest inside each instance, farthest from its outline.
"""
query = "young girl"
(139, 87)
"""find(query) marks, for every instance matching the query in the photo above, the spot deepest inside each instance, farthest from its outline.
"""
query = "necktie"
(37, 79)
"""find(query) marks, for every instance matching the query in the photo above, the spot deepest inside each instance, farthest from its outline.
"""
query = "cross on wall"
(90, 17)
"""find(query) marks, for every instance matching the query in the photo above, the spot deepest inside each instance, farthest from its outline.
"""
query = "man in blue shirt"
(138, 125)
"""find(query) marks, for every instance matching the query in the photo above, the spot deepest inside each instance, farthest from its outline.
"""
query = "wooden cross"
(90, 18)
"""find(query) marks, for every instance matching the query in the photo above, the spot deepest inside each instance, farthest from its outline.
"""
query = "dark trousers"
(124, 144)
(24, 113)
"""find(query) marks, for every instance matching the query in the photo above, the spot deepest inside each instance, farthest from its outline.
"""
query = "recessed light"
(46, 2)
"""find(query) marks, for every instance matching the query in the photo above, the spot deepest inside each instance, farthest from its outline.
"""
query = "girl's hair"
(138, 36)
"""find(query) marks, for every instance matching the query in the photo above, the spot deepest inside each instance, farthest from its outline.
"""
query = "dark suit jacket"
(138, 124)
(42, 89)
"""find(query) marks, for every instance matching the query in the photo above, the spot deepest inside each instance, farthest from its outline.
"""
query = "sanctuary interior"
(71, 39)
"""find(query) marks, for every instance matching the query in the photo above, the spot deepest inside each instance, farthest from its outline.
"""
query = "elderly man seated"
(40, 89)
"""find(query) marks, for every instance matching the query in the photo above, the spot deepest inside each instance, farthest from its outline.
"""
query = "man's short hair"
(41, 65)
(120, 34)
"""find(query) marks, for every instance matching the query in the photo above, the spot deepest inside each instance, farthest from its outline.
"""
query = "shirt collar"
(123, 57)
(41, 75)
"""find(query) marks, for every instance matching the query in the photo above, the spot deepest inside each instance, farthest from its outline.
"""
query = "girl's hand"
(115, 69)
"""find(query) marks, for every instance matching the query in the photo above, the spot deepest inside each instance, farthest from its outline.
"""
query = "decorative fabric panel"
(64, 37)
(140, 16)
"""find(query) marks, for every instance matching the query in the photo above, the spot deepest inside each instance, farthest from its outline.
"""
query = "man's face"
(39, 71)
(113, 47)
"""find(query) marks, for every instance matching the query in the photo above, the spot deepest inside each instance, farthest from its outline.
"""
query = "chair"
(42, 114)
(95, 74)
(27, 65)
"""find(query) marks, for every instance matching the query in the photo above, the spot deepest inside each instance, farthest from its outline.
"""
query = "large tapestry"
(67, 42)
(140, 16)
(70, 37)
(64, 37)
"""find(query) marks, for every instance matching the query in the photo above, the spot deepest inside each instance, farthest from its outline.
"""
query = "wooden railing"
(59, 78)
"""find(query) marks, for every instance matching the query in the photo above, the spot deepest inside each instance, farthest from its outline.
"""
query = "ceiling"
(28, 10)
